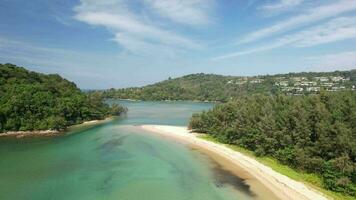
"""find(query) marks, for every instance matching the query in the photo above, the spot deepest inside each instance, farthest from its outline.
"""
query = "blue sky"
(119, 43)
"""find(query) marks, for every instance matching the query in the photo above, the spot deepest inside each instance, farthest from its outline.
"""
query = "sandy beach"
(21, 134)
(50, 133)
(282, 186)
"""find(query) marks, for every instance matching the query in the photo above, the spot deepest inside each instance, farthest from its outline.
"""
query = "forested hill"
(313, 134)
(33, 101)
(212, 87)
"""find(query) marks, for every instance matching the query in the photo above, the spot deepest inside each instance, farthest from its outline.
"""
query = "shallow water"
(117, 160)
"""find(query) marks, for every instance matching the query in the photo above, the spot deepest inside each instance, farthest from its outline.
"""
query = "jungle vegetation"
(219, 88)
(310, 133)
(34, 101)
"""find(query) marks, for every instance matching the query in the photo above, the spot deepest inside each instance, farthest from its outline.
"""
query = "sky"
(102, 44)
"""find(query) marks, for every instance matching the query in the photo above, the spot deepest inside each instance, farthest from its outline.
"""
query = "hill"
(211, 87)
(312, 134)
(33, 101)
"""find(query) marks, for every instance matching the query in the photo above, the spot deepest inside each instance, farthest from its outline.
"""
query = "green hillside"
(33, 101)
(210, 87)
(311, 134)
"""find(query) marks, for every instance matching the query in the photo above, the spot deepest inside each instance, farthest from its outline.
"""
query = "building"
(322, 79)
(337, 78)
(313, 89)
(282, 83)
(256, 80)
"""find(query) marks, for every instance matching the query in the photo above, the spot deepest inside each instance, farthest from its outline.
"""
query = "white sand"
(21, 134)
(91, 122)
(282, 186)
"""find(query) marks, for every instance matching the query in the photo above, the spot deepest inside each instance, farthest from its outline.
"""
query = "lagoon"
(117, 160)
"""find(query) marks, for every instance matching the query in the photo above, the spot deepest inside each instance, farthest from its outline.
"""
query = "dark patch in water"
(106, 184)
(84, 177)
(225, 177)
(112, 144)
(148, 148)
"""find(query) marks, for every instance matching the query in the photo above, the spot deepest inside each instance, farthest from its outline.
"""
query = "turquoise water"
(166, 113)
(117, 160)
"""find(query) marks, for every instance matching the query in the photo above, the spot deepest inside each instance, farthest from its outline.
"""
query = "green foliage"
(313, 134)
(210, 87)
(34, 101)
(117, 109)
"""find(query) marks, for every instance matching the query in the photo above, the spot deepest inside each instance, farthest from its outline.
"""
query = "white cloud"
(311, 16)
(141, 48)
(131, 31)
(337, 61)
(39, 55)
(335, 30)
(338, 29)
(130, 25)
(190, 12)
(81, 67)
(281, 5)
(250, 51)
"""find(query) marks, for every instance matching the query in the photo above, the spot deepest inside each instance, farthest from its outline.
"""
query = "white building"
(322, 79)
(282, 83)
(313, 89)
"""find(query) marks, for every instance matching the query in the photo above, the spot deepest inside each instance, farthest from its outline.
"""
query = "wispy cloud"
(142, 48)
(190, 12)
(337, 61)
(137, 33)
(80, 67)
(310, 16)
(334, 30)
(281, 5)
(49, 60)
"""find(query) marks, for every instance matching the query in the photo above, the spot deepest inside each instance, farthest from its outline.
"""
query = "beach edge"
(282, 186)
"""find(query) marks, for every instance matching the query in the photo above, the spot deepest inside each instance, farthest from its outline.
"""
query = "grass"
(310, 179)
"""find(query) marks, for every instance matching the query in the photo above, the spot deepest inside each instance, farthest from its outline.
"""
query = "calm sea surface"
(117, 160)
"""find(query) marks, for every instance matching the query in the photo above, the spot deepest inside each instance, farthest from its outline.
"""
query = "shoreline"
(49, 133)
(166, 100)
(22, 134)
(282, 186)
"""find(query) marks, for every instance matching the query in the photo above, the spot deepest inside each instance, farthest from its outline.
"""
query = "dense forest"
(210, 87)
(314, 133)
(33, 101)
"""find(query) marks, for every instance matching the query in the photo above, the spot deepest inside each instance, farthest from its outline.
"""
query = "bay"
(117, 160)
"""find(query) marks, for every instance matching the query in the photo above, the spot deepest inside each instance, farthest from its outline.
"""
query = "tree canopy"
(34, 101)
(211, 87)
(315, 133)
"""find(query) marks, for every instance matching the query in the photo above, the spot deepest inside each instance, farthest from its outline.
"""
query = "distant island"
(211, 87)
(36, 102)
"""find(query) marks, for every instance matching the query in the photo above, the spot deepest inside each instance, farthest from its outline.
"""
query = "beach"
(50, 133)
(282, 186)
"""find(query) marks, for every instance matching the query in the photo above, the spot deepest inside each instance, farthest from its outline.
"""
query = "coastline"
(282, 186)
(167, 100)
(22, 134)
(50, 133)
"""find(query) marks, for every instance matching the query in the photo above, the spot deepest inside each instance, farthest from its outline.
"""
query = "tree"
(313, 133)
(33, 101)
